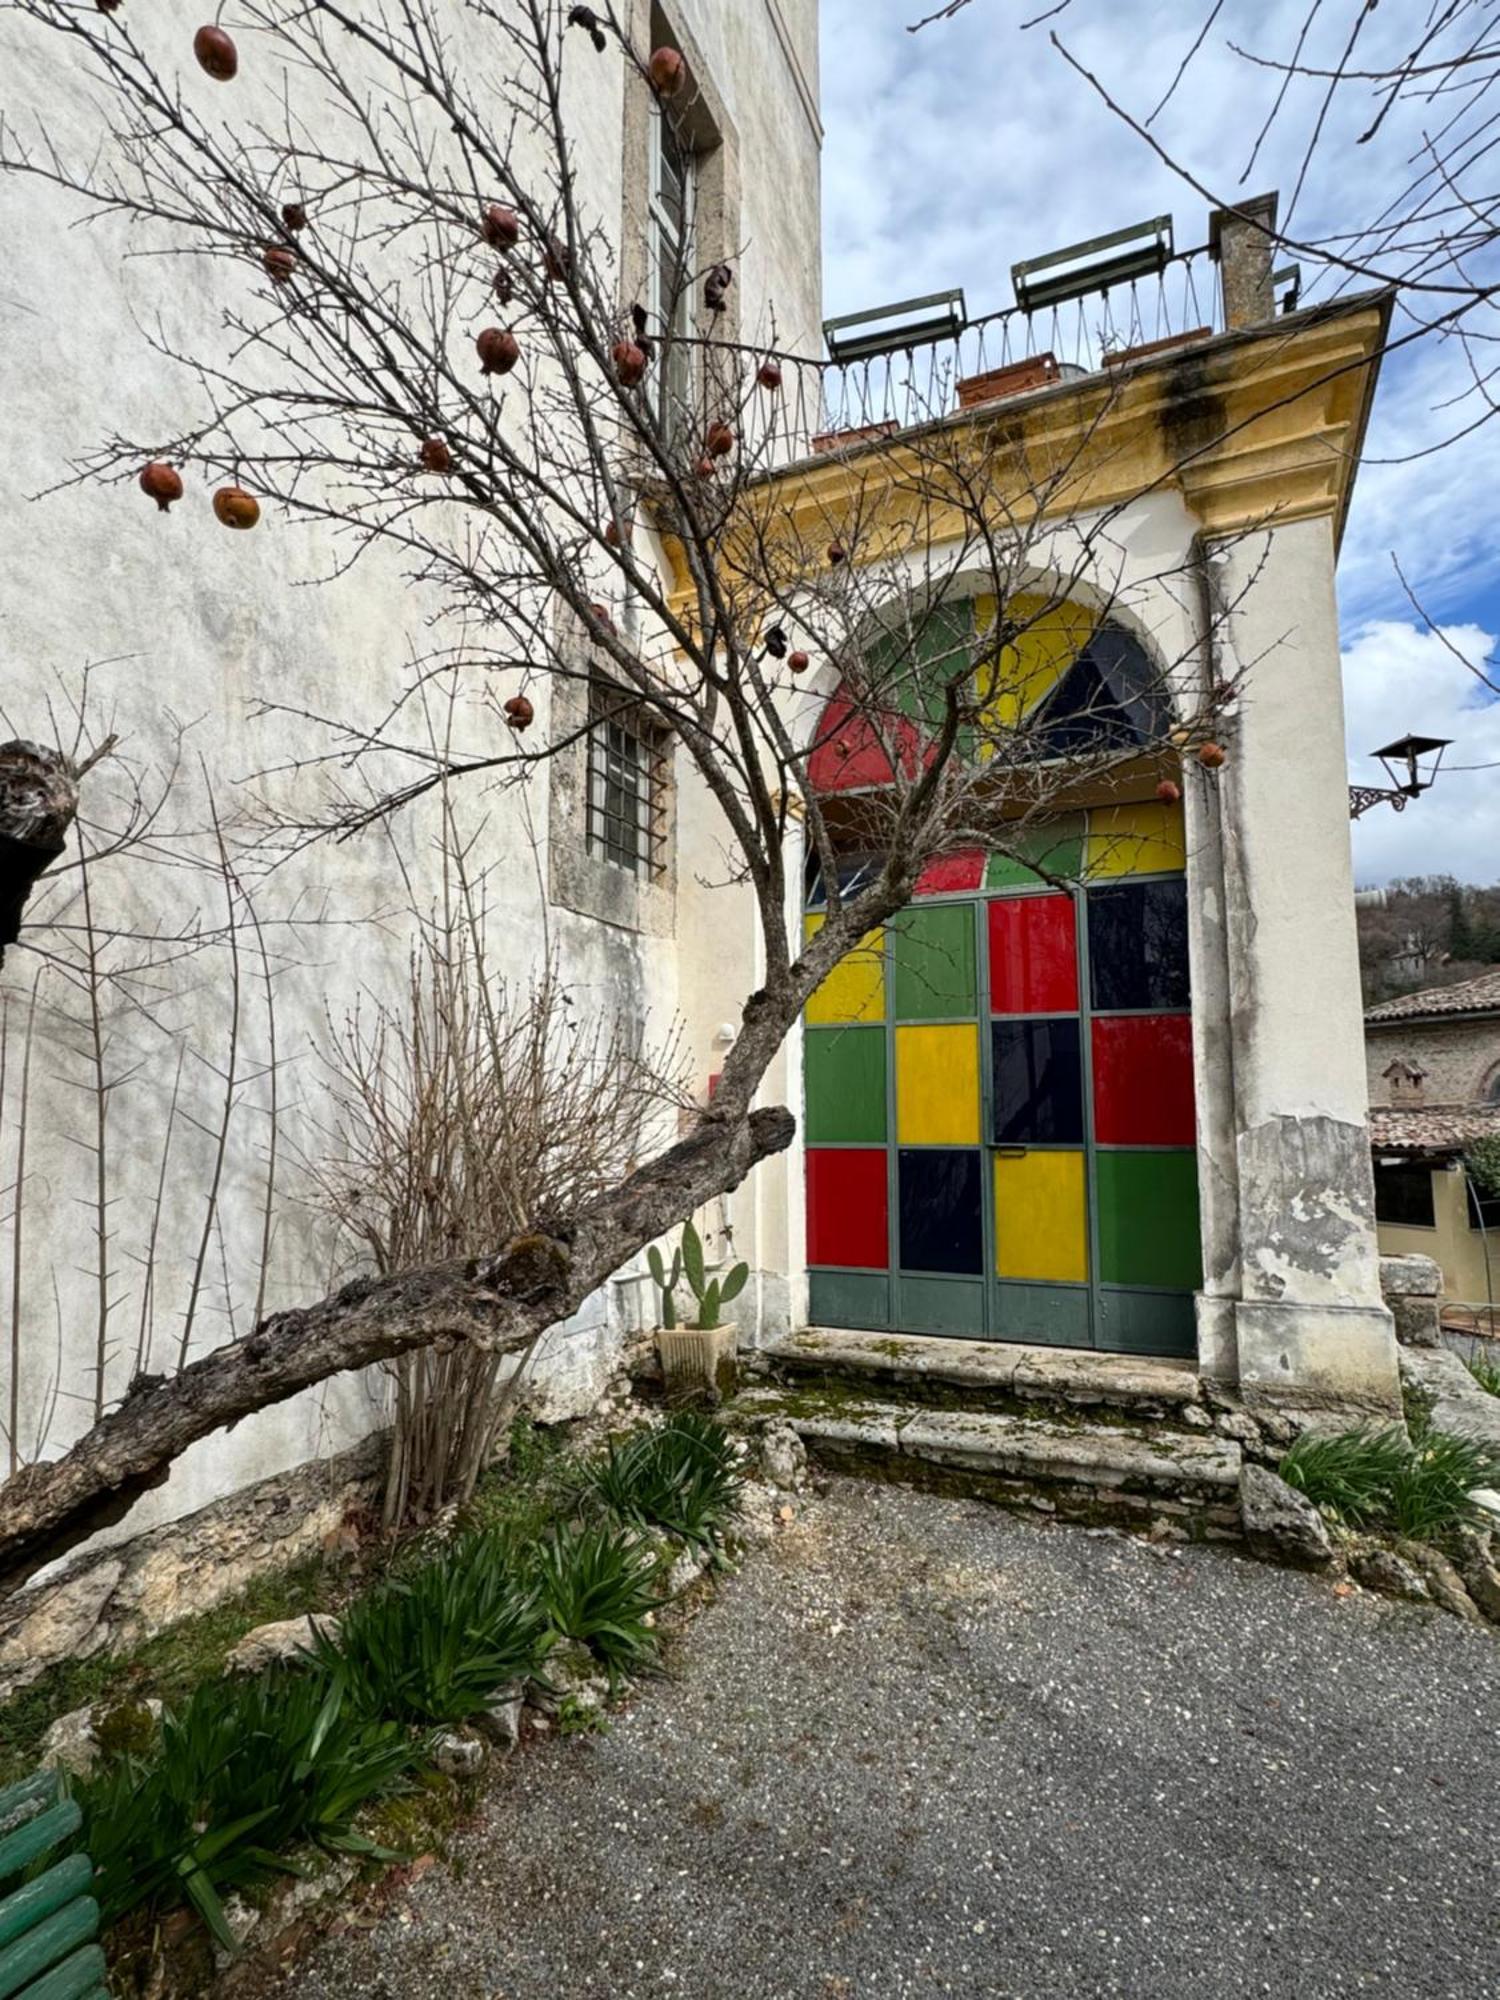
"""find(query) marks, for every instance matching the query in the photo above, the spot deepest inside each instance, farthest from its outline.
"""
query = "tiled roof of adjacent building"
(1468, 996)
(1431, 1128)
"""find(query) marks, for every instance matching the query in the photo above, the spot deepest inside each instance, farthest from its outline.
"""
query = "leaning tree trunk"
(38, 798)
(499, 1304)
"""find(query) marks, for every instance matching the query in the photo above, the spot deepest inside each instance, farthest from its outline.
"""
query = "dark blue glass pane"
(854, 871)
(1038, 1070)
(941, 1220)
(1138, 945)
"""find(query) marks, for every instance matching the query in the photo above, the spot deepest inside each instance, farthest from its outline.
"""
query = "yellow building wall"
(1458, 1249)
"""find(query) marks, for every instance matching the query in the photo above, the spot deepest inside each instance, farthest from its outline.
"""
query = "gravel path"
(922, 1747)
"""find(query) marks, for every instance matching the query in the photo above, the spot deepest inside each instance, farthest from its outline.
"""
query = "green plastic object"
(28, 1905)
(48, 1924)
(80, 1977)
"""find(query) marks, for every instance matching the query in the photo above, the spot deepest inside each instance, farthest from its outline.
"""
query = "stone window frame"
(702, 121)
(580, 878)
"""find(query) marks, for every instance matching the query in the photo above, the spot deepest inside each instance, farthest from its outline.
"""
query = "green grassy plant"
(599, 1586)
(1485, 1371)
(169, 1666)
(432, 1646)
(1418, 1486)
(246, 1770)
(683, 1477)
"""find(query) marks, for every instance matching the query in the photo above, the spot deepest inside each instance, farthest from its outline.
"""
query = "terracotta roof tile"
(1468, 996)
(1431, 1128)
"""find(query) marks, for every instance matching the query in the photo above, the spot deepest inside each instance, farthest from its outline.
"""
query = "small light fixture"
(1411, 763)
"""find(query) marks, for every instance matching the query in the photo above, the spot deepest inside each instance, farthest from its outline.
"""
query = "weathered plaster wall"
(203, 623)
(1461, 1058)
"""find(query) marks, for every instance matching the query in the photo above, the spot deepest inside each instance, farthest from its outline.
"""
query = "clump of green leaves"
(683, 1477)
(433, 1645)
(1485, 1371)
(1482, 1159)
(245, 1770)
(599, 1585)
(1417, 1485)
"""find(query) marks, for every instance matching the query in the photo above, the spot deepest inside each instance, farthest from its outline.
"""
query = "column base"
(1334, 1361)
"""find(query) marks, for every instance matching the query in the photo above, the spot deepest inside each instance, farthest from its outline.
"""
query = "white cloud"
(1399, 677)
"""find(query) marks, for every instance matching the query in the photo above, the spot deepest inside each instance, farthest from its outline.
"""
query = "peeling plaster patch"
(1308, 1210)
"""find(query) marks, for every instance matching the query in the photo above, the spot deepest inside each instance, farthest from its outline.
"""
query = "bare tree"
(592, 502)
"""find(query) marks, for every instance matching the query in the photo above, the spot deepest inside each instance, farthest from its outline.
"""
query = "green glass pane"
(1148, 1219)
(933, 953)
(1057, 847)
(912, 664)
(845, 1081)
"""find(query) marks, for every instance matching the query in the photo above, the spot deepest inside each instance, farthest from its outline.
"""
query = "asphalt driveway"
(922, 1747)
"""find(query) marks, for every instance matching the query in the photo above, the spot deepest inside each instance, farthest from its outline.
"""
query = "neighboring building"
(1425, 1201)
(1433, 1060)
(1439, 1046)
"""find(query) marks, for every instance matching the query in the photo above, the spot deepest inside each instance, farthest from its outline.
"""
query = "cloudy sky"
(954, 153)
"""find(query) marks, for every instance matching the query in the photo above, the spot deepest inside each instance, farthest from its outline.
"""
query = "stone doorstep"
(1059, 1374)
(1104, 1457)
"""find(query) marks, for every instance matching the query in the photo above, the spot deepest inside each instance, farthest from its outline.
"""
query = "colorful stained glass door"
(999, 1104)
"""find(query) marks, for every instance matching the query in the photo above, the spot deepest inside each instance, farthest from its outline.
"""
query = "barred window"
(627, 782)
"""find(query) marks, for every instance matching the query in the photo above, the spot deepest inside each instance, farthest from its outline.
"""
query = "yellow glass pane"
(1012, 683)
(855, 989)
(1039, 1217)
(1136, 840)
(937, 1086)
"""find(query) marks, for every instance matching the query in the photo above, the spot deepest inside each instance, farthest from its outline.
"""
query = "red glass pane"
(1033, 955)
(851, 754)
(951, 872)
(1143, 1080)
(846, 1207)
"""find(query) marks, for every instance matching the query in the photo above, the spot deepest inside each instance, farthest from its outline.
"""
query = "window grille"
(627, 791)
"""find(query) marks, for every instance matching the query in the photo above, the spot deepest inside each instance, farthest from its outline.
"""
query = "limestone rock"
(500, 1722)
(1239, 1425)
(76, 1741)
(63, 1626)
(1383, 1570)
(757, 1514)
(458, 1753)
(269, 1645)
(1196, 1417)
(1443, 1581)
(70, 1744)
(1281, 1524)
(685, 1571)
(572, 1674)
(783, 1457)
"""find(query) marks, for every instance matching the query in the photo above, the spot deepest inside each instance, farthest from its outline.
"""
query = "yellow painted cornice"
(1252, 428)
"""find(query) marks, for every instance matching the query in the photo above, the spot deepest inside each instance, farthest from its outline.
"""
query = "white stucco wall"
(195, 621)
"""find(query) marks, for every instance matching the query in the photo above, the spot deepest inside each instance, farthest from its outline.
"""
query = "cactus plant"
(666, 1282)
(711, 1293)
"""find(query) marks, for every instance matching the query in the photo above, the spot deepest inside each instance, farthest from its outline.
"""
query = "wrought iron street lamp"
(1411, 763)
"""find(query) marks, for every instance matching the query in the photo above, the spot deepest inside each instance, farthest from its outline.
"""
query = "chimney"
(1241, 241)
